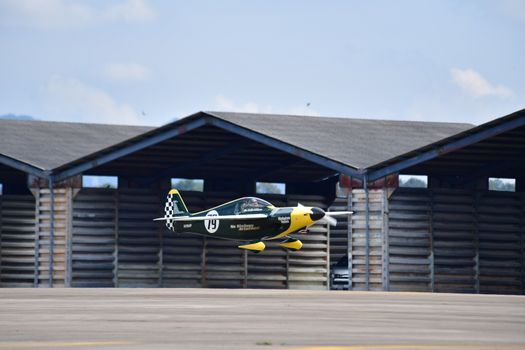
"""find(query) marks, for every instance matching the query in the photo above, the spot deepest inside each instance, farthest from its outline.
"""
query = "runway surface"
(257, 319)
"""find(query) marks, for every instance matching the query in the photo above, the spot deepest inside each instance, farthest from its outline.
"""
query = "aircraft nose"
(316, 214)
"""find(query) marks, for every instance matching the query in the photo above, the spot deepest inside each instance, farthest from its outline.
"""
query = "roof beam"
(324, 178)
(492, 168)
(134, 147)
(447, 148)
(285, 147)
(221, 152)
(259, 173)
(26, 168)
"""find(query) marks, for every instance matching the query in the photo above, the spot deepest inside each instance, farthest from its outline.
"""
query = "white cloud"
(70, 99)
(514, 9)
(126, 71)
(476, 85)
(44, 13)
(224, 104)
(69, 14)
(130, 11)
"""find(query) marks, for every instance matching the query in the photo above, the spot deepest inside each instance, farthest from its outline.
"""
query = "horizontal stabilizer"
(220, 217)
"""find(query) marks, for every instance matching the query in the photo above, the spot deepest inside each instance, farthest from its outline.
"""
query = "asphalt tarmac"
(257, 319)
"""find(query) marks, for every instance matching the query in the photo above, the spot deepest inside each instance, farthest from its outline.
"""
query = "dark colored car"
(339, 274)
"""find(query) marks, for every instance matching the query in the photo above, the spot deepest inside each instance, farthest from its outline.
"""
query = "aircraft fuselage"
(247, 219)
(279, 223)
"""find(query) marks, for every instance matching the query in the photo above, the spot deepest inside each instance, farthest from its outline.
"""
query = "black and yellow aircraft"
(249, 219)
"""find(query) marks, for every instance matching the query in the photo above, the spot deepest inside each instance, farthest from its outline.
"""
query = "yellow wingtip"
(174, 191)
(292, 245)
(254, 247)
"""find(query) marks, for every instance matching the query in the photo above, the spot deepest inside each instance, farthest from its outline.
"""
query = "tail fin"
(175, 206)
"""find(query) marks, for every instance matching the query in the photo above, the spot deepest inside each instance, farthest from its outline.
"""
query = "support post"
(245, 269)
(349, 238)
(160, 280)
(431, 241)
(51, 229)
(476, 242)
(116, 244)
(367, 234)
(204, 279)
(385, 240)
(287, 281)
(1, 212)
(161, 258)
(37, 238)
(69, 238)
(328, 257)
(522, 240)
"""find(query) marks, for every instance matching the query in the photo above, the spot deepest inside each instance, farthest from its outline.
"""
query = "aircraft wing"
(220, 217)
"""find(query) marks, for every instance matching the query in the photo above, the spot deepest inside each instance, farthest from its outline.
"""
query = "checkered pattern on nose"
(169, 211)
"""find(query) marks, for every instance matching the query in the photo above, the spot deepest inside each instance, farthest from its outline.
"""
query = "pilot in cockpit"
(249, 204)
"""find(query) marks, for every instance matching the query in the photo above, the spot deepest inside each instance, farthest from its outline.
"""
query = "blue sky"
(149, 62)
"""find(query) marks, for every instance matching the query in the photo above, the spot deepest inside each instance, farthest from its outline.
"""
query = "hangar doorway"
(115, 243)
(456, 241)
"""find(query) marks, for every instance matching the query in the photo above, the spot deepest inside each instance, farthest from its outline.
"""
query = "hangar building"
(454, 235)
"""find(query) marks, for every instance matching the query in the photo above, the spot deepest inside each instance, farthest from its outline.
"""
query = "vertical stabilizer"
(175, 206)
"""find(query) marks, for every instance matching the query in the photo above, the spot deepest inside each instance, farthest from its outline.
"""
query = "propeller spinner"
(327, 217)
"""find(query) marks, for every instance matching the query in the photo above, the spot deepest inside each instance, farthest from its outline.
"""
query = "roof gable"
(359, 143)
(342, 144)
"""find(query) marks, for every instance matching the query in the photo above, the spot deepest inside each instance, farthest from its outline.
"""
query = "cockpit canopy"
(251, 204)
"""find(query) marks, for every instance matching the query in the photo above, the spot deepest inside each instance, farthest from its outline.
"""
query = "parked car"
(339, 274)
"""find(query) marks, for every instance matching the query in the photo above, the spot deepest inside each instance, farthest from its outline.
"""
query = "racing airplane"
(249, 219)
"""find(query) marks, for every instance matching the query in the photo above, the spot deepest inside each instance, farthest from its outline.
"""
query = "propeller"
(338, 213)
(328, 220)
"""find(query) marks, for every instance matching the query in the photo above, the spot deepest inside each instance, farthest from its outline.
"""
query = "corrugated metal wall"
(27, 251)
(116, 243)
(93, 250)
(17, 241)
(410, 241)
(366, 246)
(418, 240)
(456, 241)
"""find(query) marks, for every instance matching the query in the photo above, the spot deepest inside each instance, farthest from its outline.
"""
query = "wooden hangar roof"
(43, 145)
(341, 144)
(358, 143)
(496, 148)
(225, 144)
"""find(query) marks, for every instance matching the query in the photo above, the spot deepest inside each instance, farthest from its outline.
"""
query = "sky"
(151, 62)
